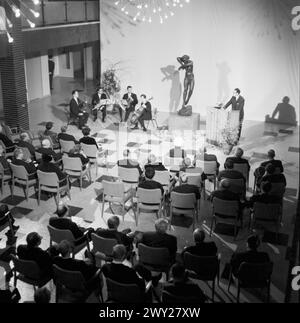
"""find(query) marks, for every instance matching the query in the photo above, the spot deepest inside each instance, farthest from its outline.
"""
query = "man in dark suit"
(272, 177)
(33, 252)
(146, 113)
(127, 162)
(86, 139)
(252, 255)
(230, 173)
(182, 287)
(63, 135)
(29, 166)
(97, 98)
(271, 160)
(186, 188)
(148, 183)
(131, 100)
(238, 103)
(76, 111)
(160, 238)
(238, 158)
(51, 66)
(201, 248)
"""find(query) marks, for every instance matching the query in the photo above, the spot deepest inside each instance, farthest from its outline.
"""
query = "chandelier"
(24, 10)
(148, 10)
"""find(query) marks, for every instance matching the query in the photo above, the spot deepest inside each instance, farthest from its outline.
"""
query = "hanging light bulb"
(10, 39)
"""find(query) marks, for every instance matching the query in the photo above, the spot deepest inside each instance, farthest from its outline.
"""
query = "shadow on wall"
(286, 113)
(223, 82)
(172, 74)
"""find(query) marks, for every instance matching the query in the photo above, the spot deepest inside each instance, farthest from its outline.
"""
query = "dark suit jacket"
(66, 224)
(187, 189)
(96, 99)
(231, 174)
(66, 137)
(88, 141)
(51, 168)
(275, 178)
(7, 142)
(208, 158)
(121, 237)
(41, 257)
(134, 100)
(204, 249)
(87, 270)
(151, 185)
(147, 114)
(159, 240)
(50, 152)
(75, 108)
(129, 163)
(225, 195)
(28, 145)
(275, 163)
(237, 160)
(237, 105)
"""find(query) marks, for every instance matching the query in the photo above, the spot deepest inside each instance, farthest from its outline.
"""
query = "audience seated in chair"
(86, 139)
(148, 183)
(18, 160)
(204, 156)
(238, 158)
(49, 133)
(33, 252)
(152, 162)
(272, 177)
(177, 151)
(127, 162)
(42, 296)
(47, 150)
(186, 188)
(160, 238)
(271, 160)
(25, 142)
(187, 164)
(63, 135)
(63, 222)
(77, 152)
(201, 248)
(265, 196)
(230, 173)
(6, 141)
(4, 162)
(112, 232)
(252, 255)
(182, 288)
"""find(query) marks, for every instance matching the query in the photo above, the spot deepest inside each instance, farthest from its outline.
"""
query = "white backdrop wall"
(234, 43)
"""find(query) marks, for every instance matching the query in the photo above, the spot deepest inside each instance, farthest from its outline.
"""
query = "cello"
(137, 114)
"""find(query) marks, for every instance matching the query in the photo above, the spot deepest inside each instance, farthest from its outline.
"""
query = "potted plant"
(229, 139)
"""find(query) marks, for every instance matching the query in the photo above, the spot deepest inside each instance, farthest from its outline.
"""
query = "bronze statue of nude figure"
(189, 80)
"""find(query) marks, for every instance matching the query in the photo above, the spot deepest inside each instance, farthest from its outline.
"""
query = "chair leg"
(39, 195)
(80, 184)
(26, 192)
(103, 205)
(12, 187)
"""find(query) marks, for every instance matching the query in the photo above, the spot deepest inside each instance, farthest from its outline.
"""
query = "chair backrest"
(157, 257)
(38, 156)
(66, 146)
(206, 268)
(129, 175)
(243, 169)
(172, 161)
(255, 275)
(72, 280)
(225, 208)
(183, 201)
(162, 177)
(19, 172)
(28, 268)
(194, 179)
(237, 186)
(149, 196)
(90, 151)
(103, 245)
(123, 293)
(48, 179)
(278, 189)
(266, 211)
(57, 235)
(196, 170)
(72, 164)
(209, 167)
(114, 189)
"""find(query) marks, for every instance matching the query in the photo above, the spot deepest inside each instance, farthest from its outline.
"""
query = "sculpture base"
(186, 111)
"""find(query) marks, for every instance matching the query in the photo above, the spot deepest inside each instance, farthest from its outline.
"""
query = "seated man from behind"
(204, 156)
(186, 188)
(160, 238)
(25, 142)
(265, 196)
(187, 164)
(33, 252)
(271, 160)
(238, 158)
(63, 222)
(272, 177)
(148, 183)
(63, 135)
(77, 152)
(47, 150)
(113, 233)
(18, 160)
(9, 145)
(252, 255)
(87, 139)
(49, 133)
(201, 248)
(230, 173)
(152, 162)
(85, 267)
(47, 166)
(182, 287)
(127, 162)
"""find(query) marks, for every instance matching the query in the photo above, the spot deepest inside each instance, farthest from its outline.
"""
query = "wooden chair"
(155, 259)
(129, 176)
(103, 245)
(251, 275)
(243, 169)
(92, 152)
(116, 193)
(6, 152)
(21, 177)
(66, 146)
(29, 273)
(49, 182)
(203, 268)
(57, 236)
(174, 164)
(185, 204)
(210, 169)
(237, 186)
(226, 210)
(164, 178)
(74, 168)
(149, 200)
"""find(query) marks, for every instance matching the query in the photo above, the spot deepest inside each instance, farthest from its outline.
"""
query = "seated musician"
(143, 113)
(131, 100)
(96, 102)
(76, 110)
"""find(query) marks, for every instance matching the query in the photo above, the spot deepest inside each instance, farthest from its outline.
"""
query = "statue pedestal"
(177, 122)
